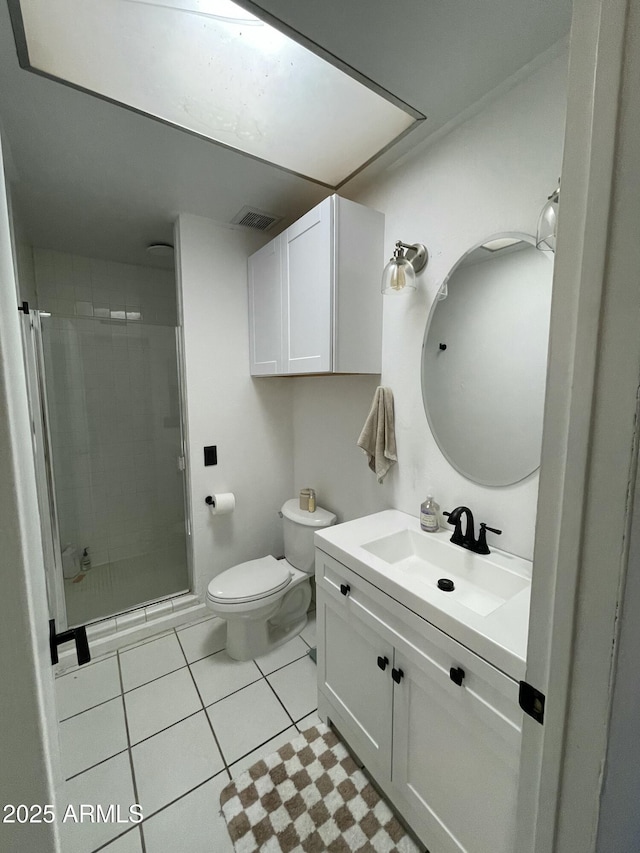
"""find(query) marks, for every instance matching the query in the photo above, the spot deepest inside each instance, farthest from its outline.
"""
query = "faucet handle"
(482, 547)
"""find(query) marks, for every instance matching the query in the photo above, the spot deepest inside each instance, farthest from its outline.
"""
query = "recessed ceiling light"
(210, 68)
(160, 250)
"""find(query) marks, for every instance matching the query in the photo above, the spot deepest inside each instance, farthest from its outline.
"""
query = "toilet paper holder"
(221, 504)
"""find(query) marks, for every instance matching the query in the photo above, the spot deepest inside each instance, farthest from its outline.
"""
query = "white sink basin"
(488, 609)
(479, 583)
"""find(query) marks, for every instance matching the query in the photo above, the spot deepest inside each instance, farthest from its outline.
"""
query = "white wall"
(328, 414)
(491, 174)
(249, 420)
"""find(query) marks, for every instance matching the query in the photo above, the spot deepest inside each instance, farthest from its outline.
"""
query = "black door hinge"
(532, 701)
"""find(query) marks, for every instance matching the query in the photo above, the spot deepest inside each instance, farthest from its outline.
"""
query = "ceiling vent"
(249, 217)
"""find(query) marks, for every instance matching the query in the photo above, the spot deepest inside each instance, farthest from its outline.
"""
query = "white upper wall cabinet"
(314, 297)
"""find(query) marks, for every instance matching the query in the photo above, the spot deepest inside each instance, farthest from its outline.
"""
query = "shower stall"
(104, 365)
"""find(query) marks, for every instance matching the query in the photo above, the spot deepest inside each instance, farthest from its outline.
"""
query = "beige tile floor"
(166, 724)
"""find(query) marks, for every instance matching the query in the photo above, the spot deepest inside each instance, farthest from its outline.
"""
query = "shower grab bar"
(78, 634)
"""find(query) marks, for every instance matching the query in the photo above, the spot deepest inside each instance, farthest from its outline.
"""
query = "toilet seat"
(250, 581)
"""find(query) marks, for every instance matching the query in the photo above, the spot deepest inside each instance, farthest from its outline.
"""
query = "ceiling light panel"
(209, 67)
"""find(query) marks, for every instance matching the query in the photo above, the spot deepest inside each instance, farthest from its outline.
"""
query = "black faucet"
(467, 539)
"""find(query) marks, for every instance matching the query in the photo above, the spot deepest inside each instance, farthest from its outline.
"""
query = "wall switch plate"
(211, 455)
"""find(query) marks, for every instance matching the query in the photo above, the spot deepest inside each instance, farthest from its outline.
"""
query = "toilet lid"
(249, 581)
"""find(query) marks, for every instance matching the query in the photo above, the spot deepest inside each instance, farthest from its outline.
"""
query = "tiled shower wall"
(112, 384)
(73, 286)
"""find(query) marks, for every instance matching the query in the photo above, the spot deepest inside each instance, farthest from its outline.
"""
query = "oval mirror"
(484, 360)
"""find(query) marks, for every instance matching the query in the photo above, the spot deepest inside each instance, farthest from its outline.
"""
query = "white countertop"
(500, 637)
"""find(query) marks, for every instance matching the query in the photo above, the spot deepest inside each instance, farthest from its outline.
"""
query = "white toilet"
(265, 601)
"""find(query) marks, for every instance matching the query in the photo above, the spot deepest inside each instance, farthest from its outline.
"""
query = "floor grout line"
(273, 690)
(166, 728)
(152, 680)
(90, 708)
(117, 837)
(177, 799)
(227, 695)
(133, 772)
(260, 745)
(278, 668)
(97, 764)
(208, 719)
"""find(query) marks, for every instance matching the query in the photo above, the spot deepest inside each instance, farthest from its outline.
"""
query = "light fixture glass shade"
(398, 276)
(547, 224)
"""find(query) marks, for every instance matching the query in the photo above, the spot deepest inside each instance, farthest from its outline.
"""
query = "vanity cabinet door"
(265, 309)
(354, 674)
(456, 749)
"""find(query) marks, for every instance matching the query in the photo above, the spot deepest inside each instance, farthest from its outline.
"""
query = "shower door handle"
(78, 634)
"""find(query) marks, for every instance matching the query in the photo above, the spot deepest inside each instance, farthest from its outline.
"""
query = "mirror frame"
(519, 235)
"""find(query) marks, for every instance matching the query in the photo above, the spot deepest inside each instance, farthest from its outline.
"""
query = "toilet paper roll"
(222, 504)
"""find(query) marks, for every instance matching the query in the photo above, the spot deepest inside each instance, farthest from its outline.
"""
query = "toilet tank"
(299, 527)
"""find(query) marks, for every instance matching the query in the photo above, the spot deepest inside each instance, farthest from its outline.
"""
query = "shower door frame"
(37, 386)
(45, 476)
(184, 461)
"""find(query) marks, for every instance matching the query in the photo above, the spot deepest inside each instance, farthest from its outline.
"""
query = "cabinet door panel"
(308, 300)
(265, 309)
(456, 754)
(351, 678)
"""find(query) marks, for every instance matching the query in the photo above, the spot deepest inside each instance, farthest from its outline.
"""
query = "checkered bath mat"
(310, 796)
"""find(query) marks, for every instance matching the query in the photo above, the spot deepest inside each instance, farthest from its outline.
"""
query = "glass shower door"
(113, 398)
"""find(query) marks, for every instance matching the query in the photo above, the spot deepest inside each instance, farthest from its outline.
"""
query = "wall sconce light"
(400, 273)
(547, 223)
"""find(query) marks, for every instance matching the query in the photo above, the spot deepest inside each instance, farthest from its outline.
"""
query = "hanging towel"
(378, 436)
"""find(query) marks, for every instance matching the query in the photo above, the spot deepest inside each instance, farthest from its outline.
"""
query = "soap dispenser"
(429, 513)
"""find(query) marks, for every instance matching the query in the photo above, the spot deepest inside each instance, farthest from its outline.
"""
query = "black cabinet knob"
(397, 675)
(345, 589)
(383, 662)
(456, 674)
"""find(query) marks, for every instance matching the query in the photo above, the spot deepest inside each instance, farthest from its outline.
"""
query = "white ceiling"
(99, 180)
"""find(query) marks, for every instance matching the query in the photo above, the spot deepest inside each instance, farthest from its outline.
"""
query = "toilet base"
(249, 638)
(248, 641)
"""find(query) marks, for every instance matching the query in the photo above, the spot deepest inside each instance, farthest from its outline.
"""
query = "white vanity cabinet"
(445, 753)
(314, 297)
